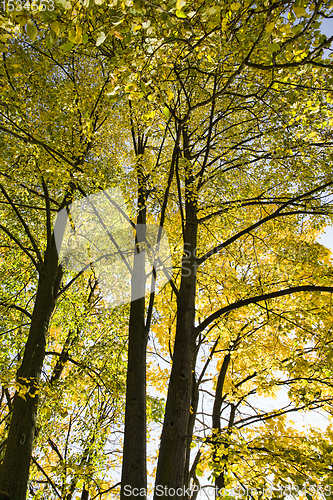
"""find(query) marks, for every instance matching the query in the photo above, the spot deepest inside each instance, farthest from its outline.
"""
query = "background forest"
(214, 120)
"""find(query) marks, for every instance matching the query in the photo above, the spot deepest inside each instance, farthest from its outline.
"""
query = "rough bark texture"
(15, 468)
(134, 467)
(171, 463)
(172, 457)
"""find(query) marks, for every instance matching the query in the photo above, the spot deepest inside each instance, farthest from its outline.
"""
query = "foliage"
(215, 120)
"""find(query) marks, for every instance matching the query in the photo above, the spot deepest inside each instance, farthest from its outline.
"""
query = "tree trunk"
(134, 466)
(134, 469)
(190, 429)
(216, 420)
(15, 467)
(172, 457)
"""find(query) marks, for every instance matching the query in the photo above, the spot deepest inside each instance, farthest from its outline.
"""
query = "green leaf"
(53, 36)
(296, 29)
(55, 26)
(216, 9)
(31, 31)
(49, 40)
(71, 35)
(198, 472)
(66, 47)
(61, 3)
(322, 39)
(273, 47)
(48, 15)
(166, 112)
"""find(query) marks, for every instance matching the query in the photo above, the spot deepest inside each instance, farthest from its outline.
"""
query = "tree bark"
(190, 428)
(216, 420)
(172, 457)
(15, 468)
(171, 463)
(134, 466)
(134, 469)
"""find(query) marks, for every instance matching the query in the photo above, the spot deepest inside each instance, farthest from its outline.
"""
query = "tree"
(245, 99)
(234, 100)
(47, 160)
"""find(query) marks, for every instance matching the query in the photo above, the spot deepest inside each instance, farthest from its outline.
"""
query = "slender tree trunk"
(15, 468)
(216, 420)
(172, 457)
(191, 423)
(134, 467)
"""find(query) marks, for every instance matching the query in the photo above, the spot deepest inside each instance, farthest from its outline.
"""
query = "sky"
(327, 27)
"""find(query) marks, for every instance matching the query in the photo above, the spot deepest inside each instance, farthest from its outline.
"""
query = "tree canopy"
(213, 119)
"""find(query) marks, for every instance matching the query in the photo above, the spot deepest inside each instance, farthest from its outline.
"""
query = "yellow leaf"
(78, 35)
(166, 112)
(71, 35)
(270, 27)
(170, 95)
(55, 26)
(299, 11)
(235, 6)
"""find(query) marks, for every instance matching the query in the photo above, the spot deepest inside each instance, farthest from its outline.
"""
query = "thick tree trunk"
(170, 474)
(15, 468)
(134, 469)
(171, 462)
(134, 466)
